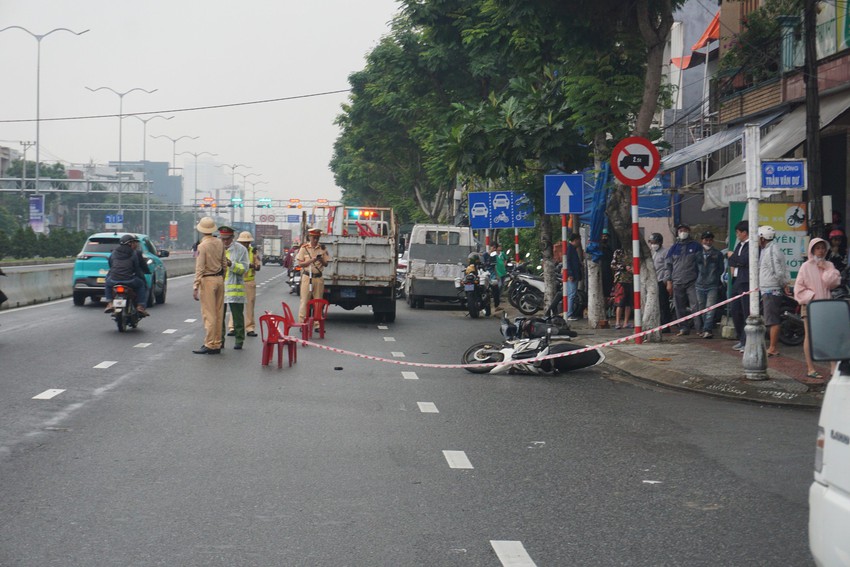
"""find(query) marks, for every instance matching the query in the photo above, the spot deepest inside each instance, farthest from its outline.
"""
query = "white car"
(501, 201)
(479, 210)
(829, 495)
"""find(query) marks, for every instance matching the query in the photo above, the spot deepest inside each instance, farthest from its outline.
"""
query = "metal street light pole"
(254, 201)
(38, 38)
(196, 154)
(242, 193)
(121, 96)
(144, 166)
(174, 155)
(232, 181)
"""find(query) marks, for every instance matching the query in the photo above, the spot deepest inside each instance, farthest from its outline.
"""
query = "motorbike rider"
(127, 266)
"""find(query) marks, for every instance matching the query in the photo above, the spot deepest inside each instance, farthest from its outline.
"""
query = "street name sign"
(564, 194)
(635, 161)
(783, 174)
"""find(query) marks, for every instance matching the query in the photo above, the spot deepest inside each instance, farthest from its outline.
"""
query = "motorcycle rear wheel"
(791, 333)
(121, 321)
(474, 355)
(472, 304)
(529, 303)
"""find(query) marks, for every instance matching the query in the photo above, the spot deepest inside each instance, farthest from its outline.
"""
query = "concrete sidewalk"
(707, 366)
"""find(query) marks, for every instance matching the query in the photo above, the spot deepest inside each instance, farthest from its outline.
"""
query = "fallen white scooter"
(530, 351)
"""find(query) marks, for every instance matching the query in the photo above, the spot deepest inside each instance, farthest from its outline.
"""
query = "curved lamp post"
(242, 192)
(254, 201)
(232, 179)
(144, 159)
(121, 96)
(196, 154)
(38, 38)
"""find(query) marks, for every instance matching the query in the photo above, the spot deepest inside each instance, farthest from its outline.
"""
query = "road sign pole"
(487, 240)
(516, 245)
(564, 274)
(636, 262)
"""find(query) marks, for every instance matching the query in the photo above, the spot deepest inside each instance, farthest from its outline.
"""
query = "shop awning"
(729, 184)
(709, 145)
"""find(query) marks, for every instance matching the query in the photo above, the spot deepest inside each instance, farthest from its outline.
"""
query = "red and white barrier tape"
(525, 360)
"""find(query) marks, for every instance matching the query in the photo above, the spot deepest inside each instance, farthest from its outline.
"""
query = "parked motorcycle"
(514, 348)
(295, 280)
(474, 289)
(792, 328)
(124, 311)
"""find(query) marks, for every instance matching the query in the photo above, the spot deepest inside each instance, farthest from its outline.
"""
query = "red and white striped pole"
(564, 274)
(516, 245)
(636, 262)
(487, 239)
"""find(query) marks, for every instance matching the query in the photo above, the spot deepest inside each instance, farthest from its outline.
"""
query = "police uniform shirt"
(308, 251)
(211, 259)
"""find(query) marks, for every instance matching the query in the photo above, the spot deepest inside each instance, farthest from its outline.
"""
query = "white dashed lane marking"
(143, 345)
(410, 376)
(457, 459)
(106, 364)
(47, 394)
(512, 553)
(427, 407)
(190, 320)
(389, 339)
(383, 327)
(169, 331)
(398, 354)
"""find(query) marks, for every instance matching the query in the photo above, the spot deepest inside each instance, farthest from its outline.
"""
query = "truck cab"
(829, 494)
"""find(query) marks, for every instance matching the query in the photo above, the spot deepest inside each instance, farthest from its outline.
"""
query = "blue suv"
(92, 265)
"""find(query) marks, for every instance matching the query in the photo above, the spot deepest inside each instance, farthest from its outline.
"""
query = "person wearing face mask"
(659, 253)
(815, 280)
(681, 264)
(709, 271)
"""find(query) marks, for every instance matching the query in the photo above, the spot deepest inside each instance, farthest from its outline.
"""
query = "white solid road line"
(47, 394)
(398, 354)
(512, 553)
(427, 407)
(457, 459)
(409, 375)
(106, 364)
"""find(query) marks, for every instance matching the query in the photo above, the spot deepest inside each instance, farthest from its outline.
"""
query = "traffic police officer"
(234, 283)
(245, 239)
(208, 287)
(313, 258)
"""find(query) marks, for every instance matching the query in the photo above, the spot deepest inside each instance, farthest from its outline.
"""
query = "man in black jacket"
(739, 264)
(127, 265)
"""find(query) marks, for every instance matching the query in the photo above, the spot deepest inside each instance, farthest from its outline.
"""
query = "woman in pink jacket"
(816, 278)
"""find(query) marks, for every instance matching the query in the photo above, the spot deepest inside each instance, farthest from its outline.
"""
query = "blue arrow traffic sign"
(564, 194)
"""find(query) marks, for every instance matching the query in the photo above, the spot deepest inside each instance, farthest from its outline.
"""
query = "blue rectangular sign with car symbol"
(500, 209)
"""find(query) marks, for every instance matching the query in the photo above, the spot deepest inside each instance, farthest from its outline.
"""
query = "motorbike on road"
(124, 311)
(294, 280)
(531, 350)
(474, 290)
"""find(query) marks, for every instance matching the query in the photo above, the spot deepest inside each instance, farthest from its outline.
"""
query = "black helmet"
(474, 258)
(656, 238)
(128, 238)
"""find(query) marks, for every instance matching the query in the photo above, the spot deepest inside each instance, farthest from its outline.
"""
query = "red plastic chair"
(271, 336)
(317, 312)
(289, 322)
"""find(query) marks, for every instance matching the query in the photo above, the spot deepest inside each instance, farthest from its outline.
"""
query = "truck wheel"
(420, 302)
(389, 316)
(79, 299)
(412, 301)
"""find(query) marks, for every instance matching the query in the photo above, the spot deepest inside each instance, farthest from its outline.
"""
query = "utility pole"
(810, 76)
(26, 146)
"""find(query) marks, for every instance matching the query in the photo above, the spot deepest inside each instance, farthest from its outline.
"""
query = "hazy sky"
(196, 53)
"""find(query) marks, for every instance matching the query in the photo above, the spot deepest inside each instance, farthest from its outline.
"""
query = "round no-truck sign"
(635, 161)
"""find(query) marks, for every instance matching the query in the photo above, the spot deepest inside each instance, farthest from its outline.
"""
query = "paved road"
(169, 458)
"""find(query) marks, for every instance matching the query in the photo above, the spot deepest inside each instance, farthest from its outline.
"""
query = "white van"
(829, 495)
(438, 254)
